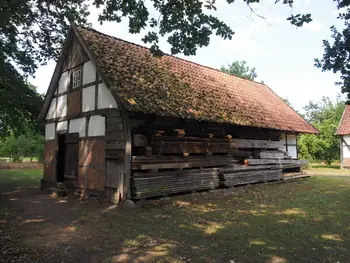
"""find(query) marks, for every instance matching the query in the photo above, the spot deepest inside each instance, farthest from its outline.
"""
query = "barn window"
(76, 79)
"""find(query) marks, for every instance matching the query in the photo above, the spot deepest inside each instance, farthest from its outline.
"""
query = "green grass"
(20, 178)
(323, 169)
(300, 221)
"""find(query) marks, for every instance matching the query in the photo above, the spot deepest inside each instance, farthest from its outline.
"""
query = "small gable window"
(76, 78)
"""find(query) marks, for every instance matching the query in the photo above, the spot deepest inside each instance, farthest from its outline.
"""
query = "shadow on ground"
(300, 221)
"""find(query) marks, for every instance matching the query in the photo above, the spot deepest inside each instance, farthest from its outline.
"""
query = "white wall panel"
(77, 125)
(63, 83)
(88, 103)
(105, 98)
(62, 126)
(291, 139)
(346, 152)
(52, 110)
(50, 131)
(347, 139)
(292, 151)
(96, 126)
(61, 106)
(89, 72)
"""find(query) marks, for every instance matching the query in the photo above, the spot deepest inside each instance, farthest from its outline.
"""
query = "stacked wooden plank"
(239, 175)
(282, 163)
(196, 145)
(152, 184)
(180, 162)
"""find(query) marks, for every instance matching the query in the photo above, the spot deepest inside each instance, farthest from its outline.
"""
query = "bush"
(17, 147)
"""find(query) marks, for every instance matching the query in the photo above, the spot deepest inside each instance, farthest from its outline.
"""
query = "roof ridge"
(196, 63)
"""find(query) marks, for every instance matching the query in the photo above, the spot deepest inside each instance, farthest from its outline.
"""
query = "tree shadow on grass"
(294, 222)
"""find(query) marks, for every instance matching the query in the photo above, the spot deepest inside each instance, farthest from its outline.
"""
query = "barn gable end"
(78, 110)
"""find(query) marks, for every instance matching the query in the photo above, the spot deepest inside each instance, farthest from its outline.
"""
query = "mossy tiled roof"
(344, 124)
(170, 86)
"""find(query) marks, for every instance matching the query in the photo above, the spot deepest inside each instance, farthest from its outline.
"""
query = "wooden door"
(71, 157)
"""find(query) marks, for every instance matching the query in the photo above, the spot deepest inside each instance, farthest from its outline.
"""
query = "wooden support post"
(127, 158)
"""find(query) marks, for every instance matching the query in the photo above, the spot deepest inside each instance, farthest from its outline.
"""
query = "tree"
(336, 55)
(324, 116)
(240, 69)
(30, 144)
(33, 31)
(19, 102)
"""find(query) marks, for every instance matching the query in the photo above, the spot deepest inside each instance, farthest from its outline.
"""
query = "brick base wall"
(49, 163)
(346, 162)
(91, 164)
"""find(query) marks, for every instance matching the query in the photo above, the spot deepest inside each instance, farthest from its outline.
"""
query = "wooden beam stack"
(180, 162)
(152, 184)
(239, 175)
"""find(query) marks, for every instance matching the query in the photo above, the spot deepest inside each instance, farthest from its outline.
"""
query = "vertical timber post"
(127, 157)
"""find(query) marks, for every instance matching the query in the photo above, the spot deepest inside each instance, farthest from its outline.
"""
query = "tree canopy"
(33, 31)
(19, 101)
(324, 115)
(336, 56)
(240, 69)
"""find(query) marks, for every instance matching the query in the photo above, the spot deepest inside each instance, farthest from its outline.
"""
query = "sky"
(282, 54)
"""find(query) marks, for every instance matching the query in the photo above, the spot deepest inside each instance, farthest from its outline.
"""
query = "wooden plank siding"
(117, 162)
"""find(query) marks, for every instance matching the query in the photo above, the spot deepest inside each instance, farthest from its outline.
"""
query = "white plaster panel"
(89, 72)
(50, 131)
(346, 150)
(105, 98)
(291, 139)
(63, 83)
(61, 106)
(62, 125)
(88, 103)
(96, 126)
(347, 139)
(77, 125)
(292, 151)
(52, 110)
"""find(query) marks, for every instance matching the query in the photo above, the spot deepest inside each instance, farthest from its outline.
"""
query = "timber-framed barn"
(123, 124)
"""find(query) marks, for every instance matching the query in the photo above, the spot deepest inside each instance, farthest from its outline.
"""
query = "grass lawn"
(300, 221)
(10, 179)
(323, 169)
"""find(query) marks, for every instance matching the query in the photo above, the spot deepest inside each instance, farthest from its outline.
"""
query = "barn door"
(71, 157)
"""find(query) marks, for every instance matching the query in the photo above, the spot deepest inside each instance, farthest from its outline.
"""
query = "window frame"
(72, 80)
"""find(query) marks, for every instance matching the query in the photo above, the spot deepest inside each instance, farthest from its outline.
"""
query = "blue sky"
(282, 54)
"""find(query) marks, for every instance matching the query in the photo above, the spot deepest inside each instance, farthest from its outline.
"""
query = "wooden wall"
(118, 157)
